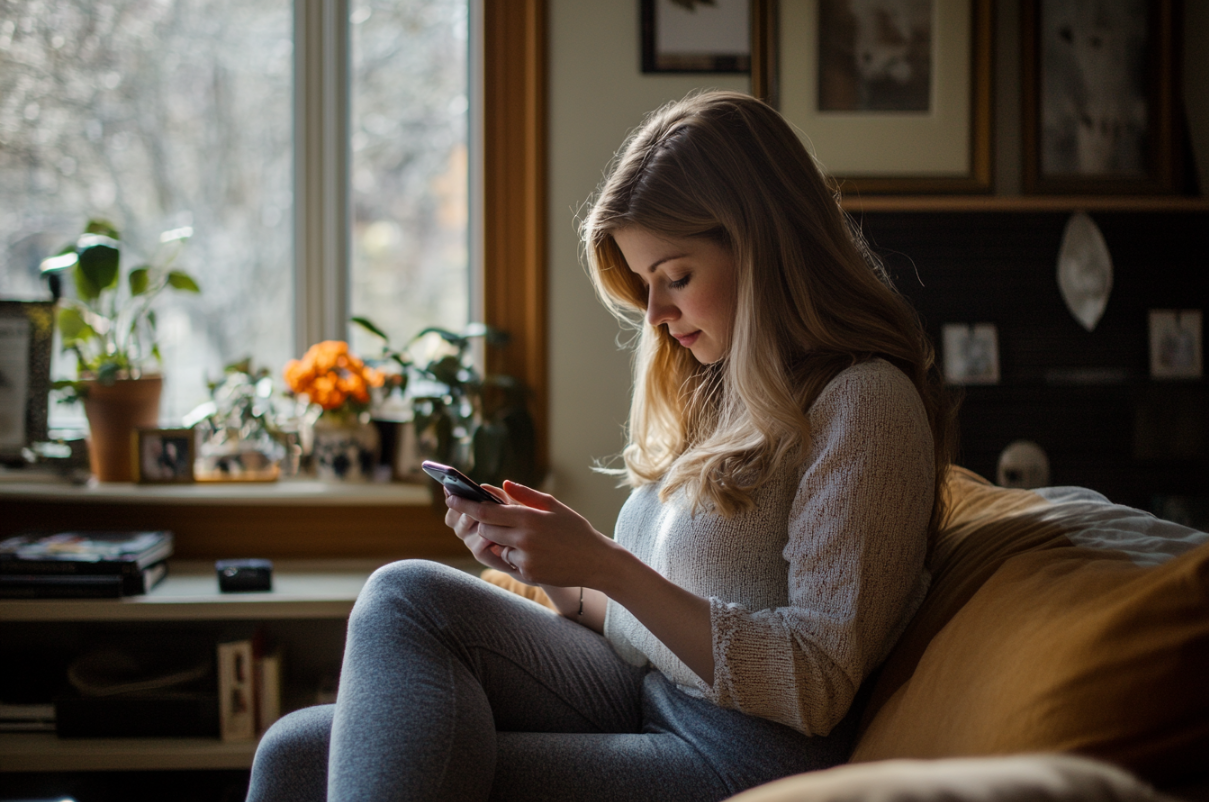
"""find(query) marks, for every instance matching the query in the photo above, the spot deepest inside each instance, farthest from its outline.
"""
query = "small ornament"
(1084, 270)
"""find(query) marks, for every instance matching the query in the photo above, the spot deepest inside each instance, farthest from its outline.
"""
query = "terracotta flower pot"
(114, 412)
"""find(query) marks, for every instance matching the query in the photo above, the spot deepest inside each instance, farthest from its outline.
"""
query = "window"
(218, 115)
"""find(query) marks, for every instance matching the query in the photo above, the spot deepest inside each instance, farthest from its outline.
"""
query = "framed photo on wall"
(892, 96)
(1099, 95)
(26, 334)
(696, 35)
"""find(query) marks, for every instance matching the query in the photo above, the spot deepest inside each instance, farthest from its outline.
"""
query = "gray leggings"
(454, 689)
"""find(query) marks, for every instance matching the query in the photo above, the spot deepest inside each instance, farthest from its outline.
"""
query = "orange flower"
(332, 377)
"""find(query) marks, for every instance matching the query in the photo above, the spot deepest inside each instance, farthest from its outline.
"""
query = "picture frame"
(164, 456)
(26, 337)
(685, 36)
(971, 353)
(1112, 136)
(1176, 345)
(945, 149)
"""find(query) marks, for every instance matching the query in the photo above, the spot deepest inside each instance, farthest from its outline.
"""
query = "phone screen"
(457, 482)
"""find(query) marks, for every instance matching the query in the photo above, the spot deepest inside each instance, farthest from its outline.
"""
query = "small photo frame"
(1176, 350)
(26, 333)
(164, 456)
(696, 35)
(971, 353)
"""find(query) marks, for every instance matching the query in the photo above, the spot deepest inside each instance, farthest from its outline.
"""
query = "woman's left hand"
(535, 538)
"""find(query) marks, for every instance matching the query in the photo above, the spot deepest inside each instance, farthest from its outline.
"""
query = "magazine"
(83, 552)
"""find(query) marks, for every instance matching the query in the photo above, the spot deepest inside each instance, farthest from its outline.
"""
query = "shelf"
(293, 493)
(44, 751)
(301, 590)
(1024, 203)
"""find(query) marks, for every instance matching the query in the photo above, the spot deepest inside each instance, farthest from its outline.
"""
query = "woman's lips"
(687, 340)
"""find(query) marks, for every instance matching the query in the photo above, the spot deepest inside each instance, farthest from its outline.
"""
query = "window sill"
(294, 492)
(294, 519)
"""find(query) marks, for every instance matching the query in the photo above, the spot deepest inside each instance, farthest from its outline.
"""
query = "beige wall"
(597, 94)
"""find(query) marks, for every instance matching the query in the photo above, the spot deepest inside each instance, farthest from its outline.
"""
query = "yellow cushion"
(1061, 649)
(508, 582)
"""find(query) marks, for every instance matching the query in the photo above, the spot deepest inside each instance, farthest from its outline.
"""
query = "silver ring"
(504, 555)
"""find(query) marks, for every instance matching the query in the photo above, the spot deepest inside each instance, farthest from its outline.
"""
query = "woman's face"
(690, 285)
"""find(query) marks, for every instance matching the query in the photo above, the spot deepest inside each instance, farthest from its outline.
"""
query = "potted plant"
(479, 424)
(110, 326)
(338, 383)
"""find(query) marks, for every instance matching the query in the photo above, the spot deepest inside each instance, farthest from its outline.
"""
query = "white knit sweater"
(809, 589)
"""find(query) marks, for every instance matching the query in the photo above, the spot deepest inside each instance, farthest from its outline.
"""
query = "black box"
(241, 576)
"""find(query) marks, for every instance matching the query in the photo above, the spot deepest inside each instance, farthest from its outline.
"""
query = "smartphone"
(457, 482)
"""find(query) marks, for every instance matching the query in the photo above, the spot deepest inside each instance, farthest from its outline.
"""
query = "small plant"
(110, 324)
(479, 424)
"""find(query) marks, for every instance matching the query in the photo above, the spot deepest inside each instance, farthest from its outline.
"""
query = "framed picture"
(971, 353)
(1176, 350)
(26, 334)
(1099, 92)
(696, 35)
(891, 96)
(164, 456)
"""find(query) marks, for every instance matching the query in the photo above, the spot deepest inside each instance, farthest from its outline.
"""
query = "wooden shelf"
(291, 493)
(1024, 203)
(301, 590)
(306, 593)
(44, 751)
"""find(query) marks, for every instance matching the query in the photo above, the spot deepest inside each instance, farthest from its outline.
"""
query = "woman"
(786, 436)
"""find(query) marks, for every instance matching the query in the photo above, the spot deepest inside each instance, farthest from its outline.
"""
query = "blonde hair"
(810, 295)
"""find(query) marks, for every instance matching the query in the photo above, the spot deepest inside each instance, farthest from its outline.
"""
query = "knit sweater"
(810, 588)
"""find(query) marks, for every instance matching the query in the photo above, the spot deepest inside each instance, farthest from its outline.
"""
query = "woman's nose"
(659, 310)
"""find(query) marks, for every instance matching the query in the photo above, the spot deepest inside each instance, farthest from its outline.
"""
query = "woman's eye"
(678, 283)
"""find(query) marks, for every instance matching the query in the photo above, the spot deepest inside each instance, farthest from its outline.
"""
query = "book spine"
(268, 690)
(236, 691)
(13, 586)
(60, 567)
(81, 586)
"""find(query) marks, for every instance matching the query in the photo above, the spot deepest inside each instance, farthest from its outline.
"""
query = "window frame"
(508, 237)
(508, 241)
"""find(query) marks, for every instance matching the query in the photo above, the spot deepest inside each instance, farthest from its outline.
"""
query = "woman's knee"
(291, 759)
(406, 583)
(299, 737)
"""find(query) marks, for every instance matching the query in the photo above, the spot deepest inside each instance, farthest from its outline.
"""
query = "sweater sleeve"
(856, 546)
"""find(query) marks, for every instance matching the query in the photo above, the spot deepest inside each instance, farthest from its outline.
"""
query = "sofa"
(1062, 652)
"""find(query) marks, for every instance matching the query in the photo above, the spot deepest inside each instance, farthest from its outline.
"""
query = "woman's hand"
(534, 537)
(539, 540)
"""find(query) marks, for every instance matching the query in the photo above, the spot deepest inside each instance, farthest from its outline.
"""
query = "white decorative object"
(1084, 270)
(1023, 464)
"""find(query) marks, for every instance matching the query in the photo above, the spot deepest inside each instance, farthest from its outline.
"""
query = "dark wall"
(1086, 397)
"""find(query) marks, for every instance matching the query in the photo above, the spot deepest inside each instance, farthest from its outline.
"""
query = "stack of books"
(83, 565)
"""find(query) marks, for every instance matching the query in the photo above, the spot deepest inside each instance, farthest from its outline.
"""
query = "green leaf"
(102, 227)
(370, 327)
(446, 370)
(73, 327)
(96, 271)
(139, 278)
(456, 340)
(108, 372)
(180, 280)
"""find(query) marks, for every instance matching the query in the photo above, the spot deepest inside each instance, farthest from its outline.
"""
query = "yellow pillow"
(1064, 649)
(508, 582)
